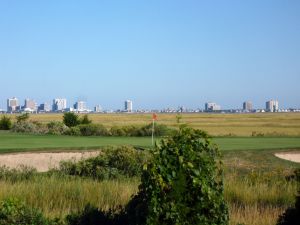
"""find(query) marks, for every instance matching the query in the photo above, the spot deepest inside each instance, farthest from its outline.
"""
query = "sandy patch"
(42, 161)
(294, 157)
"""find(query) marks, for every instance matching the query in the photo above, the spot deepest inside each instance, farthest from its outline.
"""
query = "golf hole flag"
(154, 116)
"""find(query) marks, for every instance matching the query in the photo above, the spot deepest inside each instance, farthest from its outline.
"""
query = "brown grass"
(272, 124)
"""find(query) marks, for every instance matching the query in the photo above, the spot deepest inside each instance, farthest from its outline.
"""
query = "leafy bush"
(134, 131)
(14, 212)
(57, 128)
(292, 215)
(70, 119)
(73, 131)
(91, 216)
(183, 184)
(93, 130)
(29, 127)
(110, 163)
(118, 131)
(22, 118)
(85, 120)
(5, 123)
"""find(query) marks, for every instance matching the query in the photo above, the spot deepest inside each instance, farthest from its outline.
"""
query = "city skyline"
(60, 104)
(159, 53)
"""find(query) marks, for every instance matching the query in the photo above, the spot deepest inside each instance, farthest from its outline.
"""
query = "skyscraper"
(211, 106)
(59, 104)
(272, 106)
(80, 106)
(97, 109)
(128, 106)
(247, 106)
(30, 104)
(12, 104)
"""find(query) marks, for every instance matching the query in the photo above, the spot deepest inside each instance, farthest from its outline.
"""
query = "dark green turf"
(10, 142)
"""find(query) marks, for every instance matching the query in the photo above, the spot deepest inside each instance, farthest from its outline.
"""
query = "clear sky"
(158, 53)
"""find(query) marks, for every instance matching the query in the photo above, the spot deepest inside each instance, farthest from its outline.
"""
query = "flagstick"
(152, 132)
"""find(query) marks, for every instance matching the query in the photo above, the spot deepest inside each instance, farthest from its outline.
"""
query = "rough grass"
(268, 124)
(256, 189)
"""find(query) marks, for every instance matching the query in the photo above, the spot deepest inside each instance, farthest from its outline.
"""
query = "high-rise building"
(59, 104)
(30, 104)
(247, 106)
(97, 109)
(211, 106)
(272, 106)
(12, 104)
(45, 107)
(128, 106)
(80, 106)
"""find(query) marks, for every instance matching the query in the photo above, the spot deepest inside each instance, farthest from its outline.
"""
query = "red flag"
(154, 116)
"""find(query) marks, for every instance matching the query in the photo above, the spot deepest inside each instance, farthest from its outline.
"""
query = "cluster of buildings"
(60, 105)
(271, 106)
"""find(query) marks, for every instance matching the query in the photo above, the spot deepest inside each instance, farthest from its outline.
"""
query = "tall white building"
(30, 105)
(97, 109)
(272, 106)
(211, 106)
(12, 104)
(59, 104)
(247, 106)
(128, 106)
(80, 106)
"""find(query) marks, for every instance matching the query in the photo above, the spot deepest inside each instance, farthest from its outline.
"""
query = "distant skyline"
(156, 53)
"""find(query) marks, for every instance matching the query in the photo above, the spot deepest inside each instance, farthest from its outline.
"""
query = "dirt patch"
(42, 161)
(294, 157)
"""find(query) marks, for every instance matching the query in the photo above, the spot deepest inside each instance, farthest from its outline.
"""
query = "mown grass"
(15, 142)
(268, 124)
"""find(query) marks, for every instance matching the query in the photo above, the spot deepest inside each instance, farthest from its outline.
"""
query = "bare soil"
(42, 161)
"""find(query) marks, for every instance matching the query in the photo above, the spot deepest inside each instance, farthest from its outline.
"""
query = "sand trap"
(42, 161)
(294, 157)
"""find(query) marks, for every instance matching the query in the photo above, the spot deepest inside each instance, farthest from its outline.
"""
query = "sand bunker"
(42, 161)
(294, 157)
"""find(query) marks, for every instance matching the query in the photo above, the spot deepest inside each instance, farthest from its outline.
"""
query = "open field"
(268, 124)
(15, 142)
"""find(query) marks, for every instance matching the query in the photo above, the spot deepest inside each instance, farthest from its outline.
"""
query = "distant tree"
(5, 123)
(70, 119)
(85, 120)
(22, 118)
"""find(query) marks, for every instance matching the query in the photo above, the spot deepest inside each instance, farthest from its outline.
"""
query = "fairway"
(13, 142)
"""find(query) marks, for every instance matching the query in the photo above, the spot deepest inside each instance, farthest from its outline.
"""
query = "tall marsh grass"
(58, 196)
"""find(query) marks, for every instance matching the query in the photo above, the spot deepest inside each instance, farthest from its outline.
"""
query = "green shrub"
(93, 130)
(112, 162)
(70, 119)
(85, 120)
(14, 212)
(183, 184)
(5, 123)
(22, 118)
(91, 216)
(29, 127)
(57, 128)
(292, 215)
(73, 131)
(118, 131)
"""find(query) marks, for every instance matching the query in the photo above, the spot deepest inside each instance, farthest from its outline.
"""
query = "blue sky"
(158, 53)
